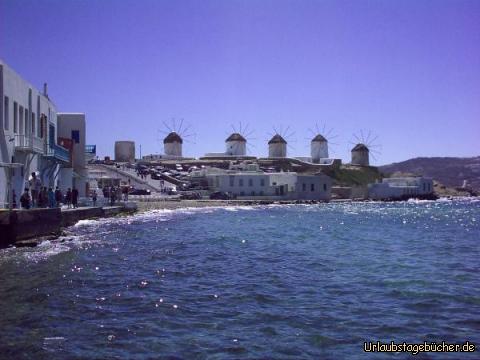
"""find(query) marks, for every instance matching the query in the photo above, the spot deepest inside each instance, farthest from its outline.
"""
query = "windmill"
(364, 145)
(319, 144)
(174, 135)
(236, 143)
(277, 145)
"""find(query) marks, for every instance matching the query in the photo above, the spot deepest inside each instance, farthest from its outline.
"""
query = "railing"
(29, 143)
(58, 152)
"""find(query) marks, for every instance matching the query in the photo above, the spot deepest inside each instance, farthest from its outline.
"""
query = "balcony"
(29, 143)
(57, 152)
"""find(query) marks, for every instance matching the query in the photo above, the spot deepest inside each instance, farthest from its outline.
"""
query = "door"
(51, 135)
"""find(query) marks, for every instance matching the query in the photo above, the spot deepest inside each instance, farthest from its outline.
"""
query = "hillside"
(449, 171)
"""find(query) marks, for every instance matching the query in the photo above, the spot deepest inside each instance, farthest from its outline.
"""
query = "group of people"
(37, 196)
(114, 193)
(142, 175)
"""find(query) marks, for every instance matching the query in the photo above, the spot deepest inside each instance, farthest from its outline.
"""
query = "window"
(261, 193)
(253, 193)
(33, 123)
(324, 187)
(41, 125)
(424, 187)
(20, 119)
(242, 193)
(15, 117)
(312, 187)
(76, 136)
(232, 180)
(250, 182)
(262, 182)
(304, 187)
(240, 182)
(5, 112)
(26, 121)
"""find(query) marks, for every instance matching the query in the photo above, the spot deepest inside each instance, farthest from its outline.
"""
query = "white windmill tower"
(363, 148)
(319, 144)
(236, 142)
(277, 145)
(174, 137)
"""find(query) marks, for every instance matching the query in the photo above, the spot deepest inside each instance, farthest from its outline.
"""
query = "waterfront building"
(401, 188)
(28, 136)
(72, 133)
(248, 182)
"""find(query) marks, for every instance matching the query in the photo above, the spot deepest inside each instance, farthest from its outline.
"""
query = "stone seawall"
(18, 225)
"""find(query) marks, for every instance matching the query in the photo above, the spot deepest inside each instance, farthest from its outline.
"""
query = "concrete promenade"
(18, 225)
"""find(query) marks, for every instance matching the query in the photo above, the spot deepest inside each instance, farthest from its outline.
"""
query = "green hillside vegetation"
(355, 175)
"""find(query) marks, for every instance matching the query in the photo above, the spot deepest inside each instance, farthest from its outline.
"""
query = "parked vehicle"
(139, 192)
(190, 196)
(172, 192)
(155, 176)
(220, 195)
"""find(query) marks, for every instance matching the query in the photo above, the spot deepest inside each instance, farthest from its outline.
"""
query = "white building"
(28, 136)
(400, 188)
(271, 186)
(72, 129)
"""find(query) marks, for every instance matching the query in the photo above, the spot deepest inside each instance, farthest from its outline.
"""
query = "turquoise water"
(288, 281)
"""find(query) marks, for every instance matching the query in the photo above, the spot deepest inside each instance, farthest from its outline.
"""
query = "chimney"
(45, 93)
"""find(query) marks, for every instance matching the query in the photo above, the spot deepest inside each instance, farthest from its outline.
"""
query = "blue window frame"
(76, 136)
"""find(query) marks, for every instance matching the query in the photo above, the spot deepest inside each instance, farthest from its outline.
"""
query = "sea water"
(289, 281)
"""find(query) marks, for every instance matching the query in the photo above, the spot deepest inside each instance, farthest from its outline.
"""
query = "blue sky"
(407, 71)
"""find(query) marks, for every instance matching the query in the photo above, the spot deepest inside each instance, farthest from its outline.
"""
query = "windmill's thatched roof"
(236, 137)
(172, 137)
(319, 138)
(277, 139)
(360, 147)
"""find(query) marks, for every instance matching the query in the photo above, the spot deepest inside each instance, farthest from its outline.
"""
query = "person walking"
(35, 185)
(68, 198)
(118, 195)
(25, 199)
(51, 198)
(43, 197)
(75, 197)
(113, 194)
(94, 197)
(58, 196)
(14, 199)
